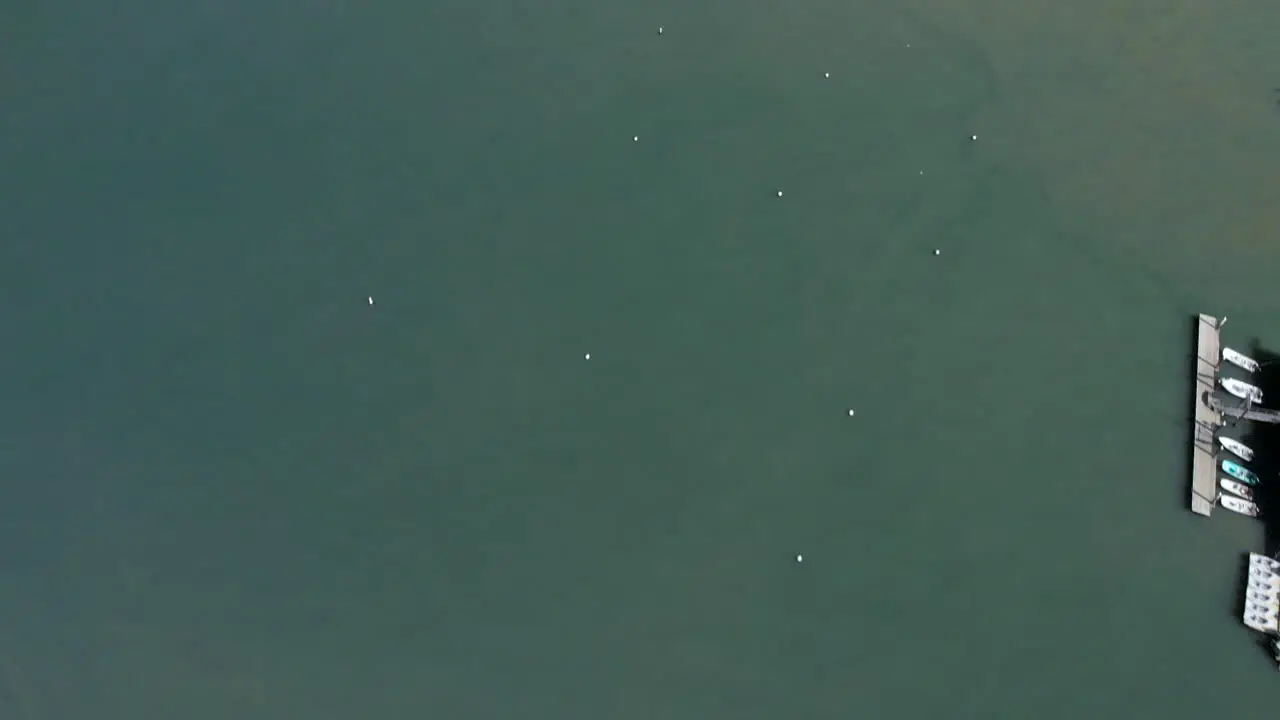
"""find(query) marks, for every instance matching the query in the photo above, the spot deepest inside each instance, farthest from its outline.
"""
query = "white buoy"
(587, 356)
(370, 299)
(937, 252)
(973, 137)
(659, 29)
(779, 193)
(826, 74)
(799, 558)
(852, 412)
(635, 138)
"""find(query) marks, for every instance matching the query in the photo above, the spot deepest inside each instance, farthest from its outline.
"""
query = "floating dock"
(1204, 471)
(1262, 594)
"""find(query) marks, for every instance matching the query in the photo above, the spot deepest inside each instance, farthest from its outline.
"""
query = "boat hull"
(1240, 360)
(1237, 448)
(1242, 389)
(1235, 504)
(1237, 488)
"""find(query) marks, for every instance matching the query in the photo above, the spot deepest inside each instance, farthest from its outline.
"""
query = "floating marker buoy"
(779, 193)
(826, 74)
(659, 30)
(973, 137)
(635, 138)
(937, 252)
(799, 558)
(370, 299)
(587, 356)
(852, 413)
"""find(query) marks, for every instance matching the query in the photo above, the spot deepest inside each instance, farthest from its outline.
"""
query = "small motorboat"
(1242, 389)
(1240, 360)
(1237, 448)
(1235, 504)
(1237, 488)
(1239, 472)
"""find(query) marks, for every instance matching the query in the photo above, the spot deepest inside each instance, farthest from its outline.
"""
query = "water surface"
(232, 487)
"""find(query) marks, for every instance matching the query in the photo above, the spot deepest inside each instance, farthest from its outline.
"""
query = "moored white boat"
(1235, 504)
(1242, 389)
(1240, 360)
(1236, 488)
(1237, 448)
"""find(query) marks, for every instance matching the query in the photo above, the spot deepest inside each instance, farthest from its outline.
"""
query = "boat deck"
(1204, 485)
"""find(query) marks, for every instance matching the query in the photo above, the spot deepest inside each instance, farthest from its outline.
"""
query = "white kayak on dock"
(1236, 488)
(1235, 504)
(1260, 598)
(1263, 563)
(1240, 360)
(1242, 389)
(1263, 586)
(1237, 448)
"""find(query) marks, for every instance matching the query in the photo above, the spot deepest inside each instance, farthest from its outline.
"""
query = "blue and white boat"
(1239, 472)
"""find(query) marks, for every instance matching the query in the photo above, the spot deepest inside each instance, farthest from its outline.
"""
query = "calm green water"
(232, 488)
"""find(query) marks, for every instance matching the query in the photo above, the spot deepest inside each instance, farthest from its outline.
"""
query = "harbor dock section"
(1262, 595)
(1204, 486)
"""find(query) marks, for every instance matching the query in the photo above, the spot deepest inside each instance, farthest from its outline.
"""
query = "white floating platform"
(1262, 594)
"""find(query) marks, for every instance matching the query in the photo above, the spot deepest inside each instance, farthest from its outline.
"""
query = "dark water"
(233, 488)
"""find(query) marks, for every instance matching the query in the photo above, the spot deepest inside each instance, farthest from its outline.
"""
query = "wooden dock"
(1204, 471)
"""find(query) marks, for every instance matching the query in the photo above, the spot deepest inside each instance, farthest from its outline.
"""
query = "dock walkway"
(1245, 412)
(1204, 486)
